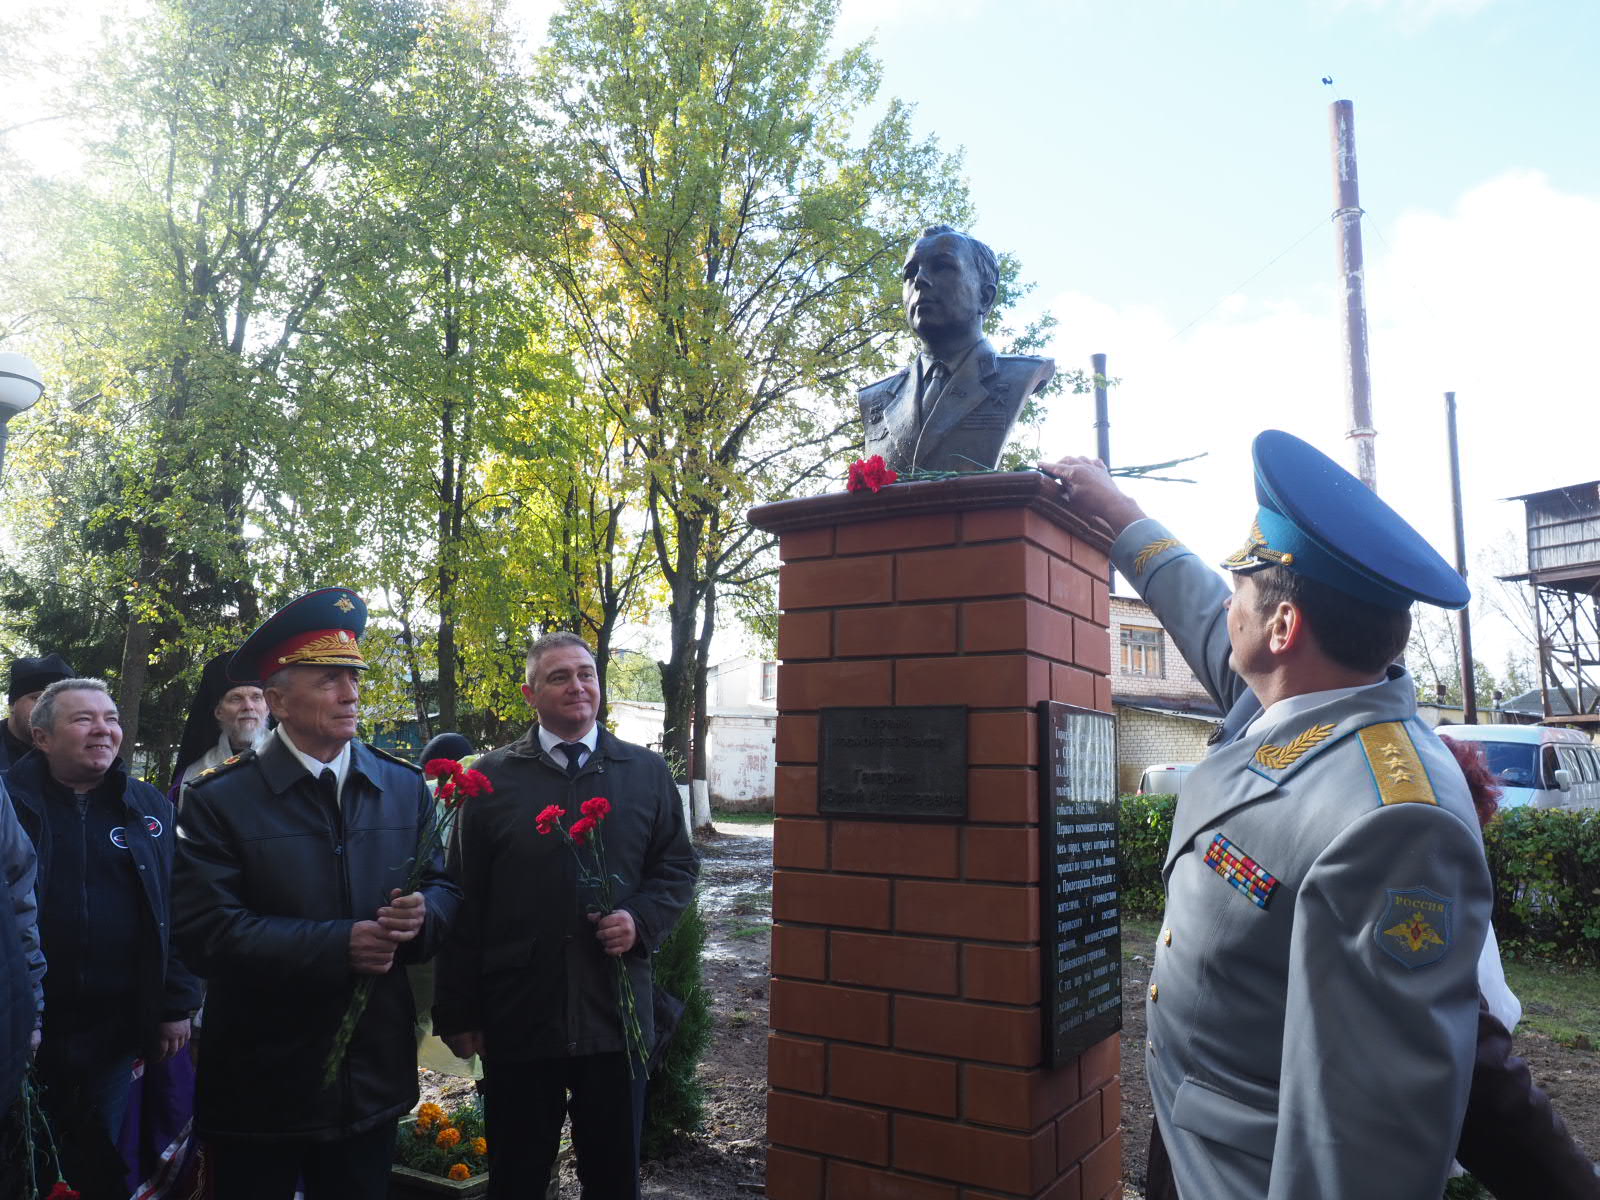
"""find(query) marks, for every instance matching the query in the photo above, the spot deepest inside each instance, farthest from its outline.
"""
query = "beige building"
(1163, 714)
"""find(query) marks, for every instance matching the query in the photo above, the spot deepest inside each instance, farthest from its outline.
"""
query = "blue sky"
(1146, 159)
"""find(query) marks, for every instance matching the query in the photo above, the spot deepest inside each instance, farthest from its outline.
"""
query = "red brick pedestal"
(905, 1061)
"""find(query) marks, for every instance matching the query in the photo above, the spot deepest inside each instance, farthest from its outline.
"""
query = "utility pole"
(1102, 418)
(1102, 432)
(1347, 216)
(1469, 687)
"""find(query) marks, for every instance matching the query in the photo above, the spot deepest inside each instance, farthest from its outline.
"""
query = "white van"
(1164, 779)
(1540, 765)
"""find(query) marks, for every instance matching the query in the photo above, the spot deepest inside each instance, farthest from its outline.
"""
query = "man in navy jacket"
(115, 990)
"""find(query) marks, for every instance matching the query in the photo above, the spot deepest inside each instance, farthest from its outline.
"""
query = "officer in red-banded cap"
(287, 893)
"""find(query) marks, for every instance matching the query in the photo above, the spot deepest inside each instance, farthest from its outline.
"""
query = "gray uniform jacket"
(1313, 1003)
(970, 421)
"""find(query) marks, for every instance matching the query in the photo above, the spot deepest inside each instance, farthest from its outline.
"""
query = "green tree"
(173, 280)
(730, 265)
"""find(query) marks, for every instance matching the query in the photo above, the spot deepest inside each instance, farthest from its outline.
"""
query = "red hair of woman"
(1485, 788)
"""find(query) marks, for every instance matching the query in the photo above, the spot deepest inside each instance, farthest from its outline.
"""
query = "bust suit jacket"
(976, 410)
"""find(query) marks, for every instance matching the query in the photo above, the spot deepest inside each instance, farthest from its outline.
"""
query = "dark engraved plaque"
(893, 762)
(1082, 919)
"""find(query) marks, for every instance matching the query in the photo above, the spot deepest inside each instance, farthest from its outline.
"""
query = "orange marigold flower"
(448, 1137)
(480, 1146)
(460, 1171)
(430, 1112)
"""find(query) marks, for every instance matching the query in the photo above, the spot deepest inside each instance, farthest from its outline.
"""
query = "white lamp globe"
(21, 384)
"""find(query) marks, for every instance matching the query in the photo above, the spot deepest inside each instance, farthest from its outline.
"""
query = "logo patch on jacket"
(1242, 871)
(1414, 929)
(119, 835)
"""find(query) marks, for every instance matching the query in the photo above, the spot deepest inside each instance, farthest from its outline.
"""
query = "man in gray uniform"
(1313, 1003)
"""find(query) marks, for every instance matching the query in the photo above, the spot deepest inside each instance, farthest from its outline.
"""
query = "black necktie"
(328, 785)
(573, 750)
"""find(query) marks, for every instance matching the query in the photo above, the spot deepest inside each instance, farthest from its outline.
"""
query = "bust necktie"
(932, 388)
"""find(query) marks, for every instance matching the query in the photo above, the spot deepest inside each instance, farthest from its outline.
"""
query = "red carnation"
(581, 828)
(549, 818)
(869, 474)
(599, 808)
(446, 789)
(441, 768)
(474, 783)
(62, 1192)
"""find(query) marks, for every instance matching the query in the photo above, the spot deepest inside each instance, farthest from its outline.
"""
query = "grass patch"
(753, 904)
(742, 818)
(1139, 936)
(750, 931)
(1558, 1001)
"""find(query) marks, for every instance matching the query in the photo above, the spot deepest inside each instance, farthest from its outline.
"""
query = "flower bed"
(441, 1153)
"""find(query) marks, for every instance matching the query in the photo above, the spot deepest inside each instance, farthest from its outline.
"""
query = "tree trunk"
(131, 680)
(678, 676)
(700, 772)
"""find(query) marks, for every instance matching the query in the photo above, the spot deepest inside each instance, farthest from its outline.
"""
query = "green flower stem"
(431, 841)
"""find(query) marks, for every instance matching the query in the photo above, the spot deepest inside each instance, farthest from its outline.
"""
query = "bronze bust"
(952, 407)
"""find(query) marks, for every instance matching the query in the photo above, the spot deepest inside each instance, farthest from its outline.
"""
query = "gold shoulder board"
(1396, 766)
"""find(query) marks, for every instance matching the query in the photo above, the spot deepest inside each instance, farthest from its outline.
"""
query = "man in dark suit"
(529, 978)
(952, 407)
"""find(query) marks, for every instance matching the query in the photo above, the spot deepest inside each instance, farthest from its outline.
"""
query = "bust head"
(948, 285)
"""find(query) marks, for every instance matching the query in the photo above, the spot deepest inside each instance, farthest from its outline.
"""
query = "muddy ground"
(727, 1159)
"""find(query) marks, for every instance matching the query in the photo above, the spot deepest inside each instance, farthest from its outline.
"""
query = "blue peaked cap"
(1318, 520)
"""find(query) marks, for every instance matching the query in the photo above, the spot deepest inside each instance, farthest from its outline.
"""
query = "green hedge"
(1545, 864)
(1144, 826)
(676, 1103)
(1546, 868)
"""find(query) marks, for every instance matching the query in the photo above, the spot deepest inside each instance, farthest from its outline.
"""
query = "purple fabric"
(157, 1141)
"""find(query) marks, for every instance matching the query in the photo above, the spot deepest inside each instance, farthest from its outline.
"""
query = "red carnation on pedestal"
(869, 474)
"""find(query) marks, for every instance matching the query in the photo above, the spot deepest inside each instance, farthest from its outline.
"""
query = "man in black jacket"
(288, 891)
(28, 679)
(529, 978)
(105, 845)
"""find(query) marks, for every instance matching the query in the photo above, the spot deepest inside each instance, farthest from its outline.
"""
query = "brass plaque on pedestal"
(893, 762)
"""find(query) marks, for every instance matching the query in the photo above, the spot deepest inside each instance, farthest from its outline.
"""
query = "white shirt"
(340, 766)
(550, 741)
(1291, 706)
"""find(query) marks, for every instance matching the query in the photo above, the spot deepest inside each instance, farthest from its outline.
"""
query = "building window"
(1141, 652)
(769, 681)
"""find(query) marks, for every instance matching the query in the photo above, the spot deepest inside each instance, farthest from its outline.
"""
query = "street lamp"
(21, 385)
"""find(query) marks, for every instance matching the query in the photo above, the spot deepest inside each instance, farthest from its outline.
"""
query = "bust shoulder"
(885, 386)
(1029, 372)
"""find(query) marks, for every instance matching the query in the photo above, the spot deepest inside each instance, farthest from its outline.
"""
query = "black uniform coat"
(524, 966)
(167, 990)
(271, 876)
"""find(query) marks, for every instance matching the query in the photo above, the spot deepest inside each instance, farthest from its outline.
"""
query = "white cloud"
(1495, 300)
